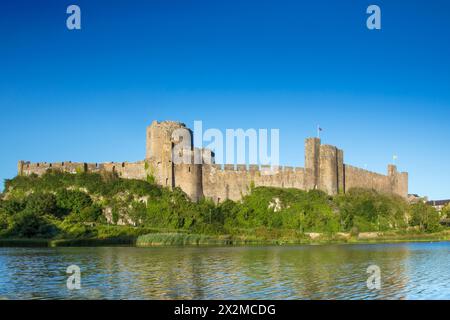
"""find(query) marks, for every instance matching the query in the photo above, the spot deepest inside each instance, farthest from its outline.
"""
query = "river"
(408, 271)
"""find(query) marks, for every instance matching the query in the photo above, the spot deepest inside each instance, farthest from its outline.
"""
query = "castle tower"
(188, 177)
(328, 169)
(20, 168)
(159, 151)
(398, 181)
(312, 151)
(170, 162)
(402, 186)
(340, 171)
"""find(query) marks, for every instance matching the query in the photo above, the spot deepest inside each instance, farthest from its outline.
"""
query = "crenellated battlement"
(324, 169)
(255, 168)
(128, 170)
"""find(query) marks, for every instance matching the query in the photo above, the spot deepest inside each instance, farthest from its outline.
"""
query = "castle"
(324, 170)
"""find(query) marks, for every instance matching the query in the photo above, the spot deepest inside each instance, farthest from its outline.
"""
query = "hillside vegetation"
(63, 206)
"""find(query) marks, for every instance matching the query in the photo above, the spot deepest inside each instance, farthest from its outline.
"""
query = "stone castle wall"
(324, 169)
(394, 182)
(126, 170)
(356, 177)
(232, 182)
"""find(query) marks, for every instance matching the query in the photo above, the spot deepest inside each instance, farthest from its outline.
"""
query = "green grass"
(184, 239)
(395, 236)
(92, 242)
(24, 243)
(178, 239)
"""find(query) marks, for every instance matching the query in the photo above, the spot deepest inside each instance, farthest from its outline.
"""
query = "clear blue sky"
(88, 95)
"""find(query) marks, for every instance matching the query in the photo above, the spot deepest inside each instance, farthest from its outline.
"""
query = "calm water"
(409, 271)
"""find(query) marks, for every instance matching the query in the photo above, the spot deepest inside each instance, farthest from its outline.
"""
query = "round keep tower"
(170, 157)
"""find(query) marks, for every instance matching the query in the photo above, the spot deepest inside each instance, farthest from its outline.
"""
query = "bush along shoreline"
(86, 209)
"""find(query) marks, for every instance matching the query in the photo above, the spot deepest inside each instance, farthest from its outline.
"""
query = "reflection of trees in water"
(297, 272)
(325, 272)
(27, 273)
(163, 273)
(331, 272)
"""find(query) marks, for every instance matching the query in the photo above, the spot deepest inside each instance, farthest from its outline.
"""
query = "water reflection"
(409, 271)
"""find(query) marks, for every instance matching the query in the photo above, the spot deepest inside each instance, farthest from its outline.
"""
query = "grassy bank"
(87, 242)
(177, 239)
(184, 239)
(394, 237)
(24, 243)
(92, 242)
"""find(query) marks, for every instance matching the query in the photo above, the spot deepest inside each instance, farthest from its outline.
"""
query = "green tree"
(4, 221)
(11, 207)
(446, 212)
(425, 217)
(72, 201)
(30, 224)
(91, 213)
(367, 210)
(41, 204)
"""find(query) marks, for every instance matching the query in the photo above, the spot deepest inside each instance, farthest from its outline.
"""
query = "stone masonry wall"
(324, 169)
(232, 182)
(360, 178)
(126, 170)
(394, 182)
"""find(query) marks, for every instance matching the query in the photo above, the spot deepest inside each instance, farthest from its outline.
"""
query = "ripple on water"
(409, 271)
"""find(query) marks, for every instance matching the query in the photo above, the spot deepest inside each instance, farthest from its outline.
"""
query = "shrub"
(369, 210)
(296, 209)
(269, 212)
(30, 224)
(4, 222)
(41, 203)
(72, 201)
(88, 214)
(425, 217)
(105, 184)
(137, 211)
(446, 211)
(11, 207)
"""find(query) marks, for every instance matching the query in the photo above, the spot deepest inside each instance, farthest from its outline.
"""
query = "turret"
(398, 181)
(159, 151)
(20, 168)
(188, 177)
(312, 151)
(328, 172)
(170, 157)
(340, 171)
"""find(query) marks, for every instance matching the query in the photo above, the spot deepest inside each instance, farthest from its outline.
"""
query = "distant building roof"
(438, 202)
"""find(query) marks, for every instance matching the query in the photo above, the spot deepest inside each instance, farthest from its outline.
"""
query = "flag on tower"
(319, 130)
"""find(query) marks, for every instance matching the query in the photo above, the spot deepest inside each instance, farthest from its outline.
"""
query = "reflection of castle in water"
(307, 272)
(324, 169)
